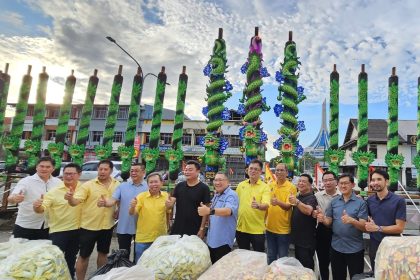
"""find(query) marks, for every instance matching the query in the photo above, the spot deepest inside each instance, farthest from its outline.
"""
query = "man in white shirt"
(31, 225)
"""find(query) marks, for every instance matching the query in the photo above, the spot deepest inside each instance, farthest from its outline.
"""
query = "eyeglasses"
(328, 180)
(70, 174)
(344, 183)
(254, 168)
(219, 180)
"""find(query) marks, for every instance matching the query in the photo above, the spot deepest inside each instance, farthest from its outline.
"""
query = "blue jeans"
(140, 248)
(277, 246)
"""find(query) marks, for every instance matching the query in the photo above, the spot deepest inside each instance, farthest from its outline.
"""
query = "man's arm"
(304, 208)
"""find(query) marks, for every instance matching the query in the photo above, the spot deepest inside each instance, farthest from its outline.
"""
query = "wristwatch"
(212, 211)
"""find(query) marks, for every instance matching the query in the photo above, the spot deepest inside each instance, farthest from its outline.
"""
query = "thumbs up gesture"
(20, 197)
(254, 203)
(203, 210)
(274, 200)
(345, 218)
(69, 194)
(169, 203)
(101, 201)
(370, 225)
(133, 203)
(37, 203)
(319, 214)
(292, 199)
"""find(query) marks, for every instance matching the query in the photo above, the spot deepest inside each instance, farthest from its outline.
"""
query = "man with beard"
(387, 213)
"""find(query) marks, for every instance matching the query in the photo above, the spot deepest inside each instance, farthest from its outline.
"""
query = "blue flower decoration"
(278, 109)
(201, 141)
(241, 109)
(299, 151)
(300, 90)
(301, 126)
(223, 144)
(205, 110)
(248, 160)
(228, 86)
(241, 133)
(263, 137)
(207, 70)
(244, 67)
(264, 73)
(211, 168)
(225, 114)
(279, 77)
(277, 143)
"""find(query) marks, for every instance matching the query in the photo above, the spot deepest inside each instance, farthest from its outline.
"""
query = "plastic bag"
(35, 259)
(173, 257)
(398, 258)
(288, 268)
(238, 265)
(118, 258)
(7, 248)
(126, 273)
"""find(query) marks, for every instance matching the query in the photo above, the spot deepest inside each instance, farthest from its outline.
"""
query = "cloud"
(12, 18)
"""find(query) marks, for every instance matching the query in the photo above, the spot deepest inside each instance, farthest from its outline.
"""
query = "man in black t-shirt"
(188, 195)
(303, 224)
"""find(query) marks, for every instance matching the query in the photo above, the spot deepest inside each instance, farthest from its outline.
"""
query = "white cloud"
(14, 19)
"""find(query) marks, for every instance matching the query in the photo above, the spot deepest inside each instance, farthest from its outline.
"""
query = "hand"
(254, 203)
(102, 201)
(133, 203)
(19, 197)
(201, 233)
(346, 219)
(292, 199)
(69, 195)
(274, 200)
(37, 203)
(203, 210)
(168, 203)
(316, 212)
(320, 216)
(370, 225)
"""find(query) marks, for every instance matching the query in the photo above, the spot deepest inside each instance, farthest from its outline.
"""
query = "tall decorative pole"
(253, 104)
(4, 93)
(218, 91)
(417, 158)
(77, 151)
(126, 151)
(56, 149)
(333, 155)
(393, 160)
(11, 143)
(362, 157)
(175, 155)
(33, 146)
(104, 151)
(151, 154)
(290, 95)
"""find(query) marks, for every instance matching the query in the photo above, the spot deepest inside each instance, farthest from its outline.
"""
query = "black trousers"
(68, 242)
(373, 248)
(245, 240)
(124, 242)
(323, 245)
(305, 256)
(340, 262)
(217, 253)
(29, 233)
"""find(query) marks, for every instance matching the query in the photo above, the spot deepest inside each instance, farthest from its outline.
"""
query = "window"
(186, 139)
(123, 113)
(99, 112)
(97, 136)
(69, 137)
(90, 167)
(52, 113)
(235, 141)
(30, 111)
(166, 138)
(118, 137)
(74, 113)
(374, 149)
(26, 135)
(147, 138)
(50, 135)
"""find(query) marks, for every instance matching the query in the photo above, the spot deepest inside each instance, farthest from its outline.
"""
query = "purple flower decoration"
(278, 109)
(301, 126)
(277, 143)
(264, 73)
(201, 141)
(225, 114)
(241, 133)
(244, 67)
(263, 137)
(205, 110)
(223, 144)
(207, 70)
(299, 151)
(228, 86)
(241, 109)
(279, 77)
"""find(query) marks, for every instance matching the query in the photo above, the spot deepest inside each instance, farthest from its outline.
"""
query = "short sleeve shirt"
(124, 193)
(188, 198)
(303, 226)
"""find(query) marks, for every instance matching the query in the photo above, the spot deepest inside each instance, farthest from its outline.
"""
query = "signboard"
(136, 146)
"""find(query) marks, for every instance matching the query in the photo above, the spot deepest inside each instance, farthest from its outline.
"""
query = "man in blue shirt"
(223, 214)
(347, 214)
(125, 192)
(387, 213)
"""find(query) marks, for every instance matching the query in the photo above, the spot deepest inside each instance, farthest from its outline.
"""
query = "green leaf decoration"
(363, 158)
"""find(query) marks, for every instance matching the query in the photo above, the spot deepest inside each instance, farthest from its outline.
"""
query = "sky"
(66, 35)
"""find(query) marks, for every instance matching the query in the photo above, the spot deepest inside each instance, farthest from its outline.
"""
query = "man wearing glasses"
(223, 214)
(64, 220)
(279, 215)
(123, 195)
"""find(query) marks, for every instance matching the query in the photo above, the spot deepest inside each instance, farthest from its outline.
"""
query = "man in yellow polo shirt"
(279, 215)
(153, 218)
(254, 199)
(96, 222)
(64, 220)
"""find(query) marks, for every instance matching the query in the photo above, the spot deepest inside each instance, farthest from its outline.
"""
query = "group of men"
(330, 222)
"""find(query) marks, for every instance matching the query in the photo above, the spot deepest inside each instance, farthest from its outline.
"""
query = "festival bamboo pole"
(33, 146)
(104, 151)
(4, 92)
(77, 150)
(417, 158)
(151, 154)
